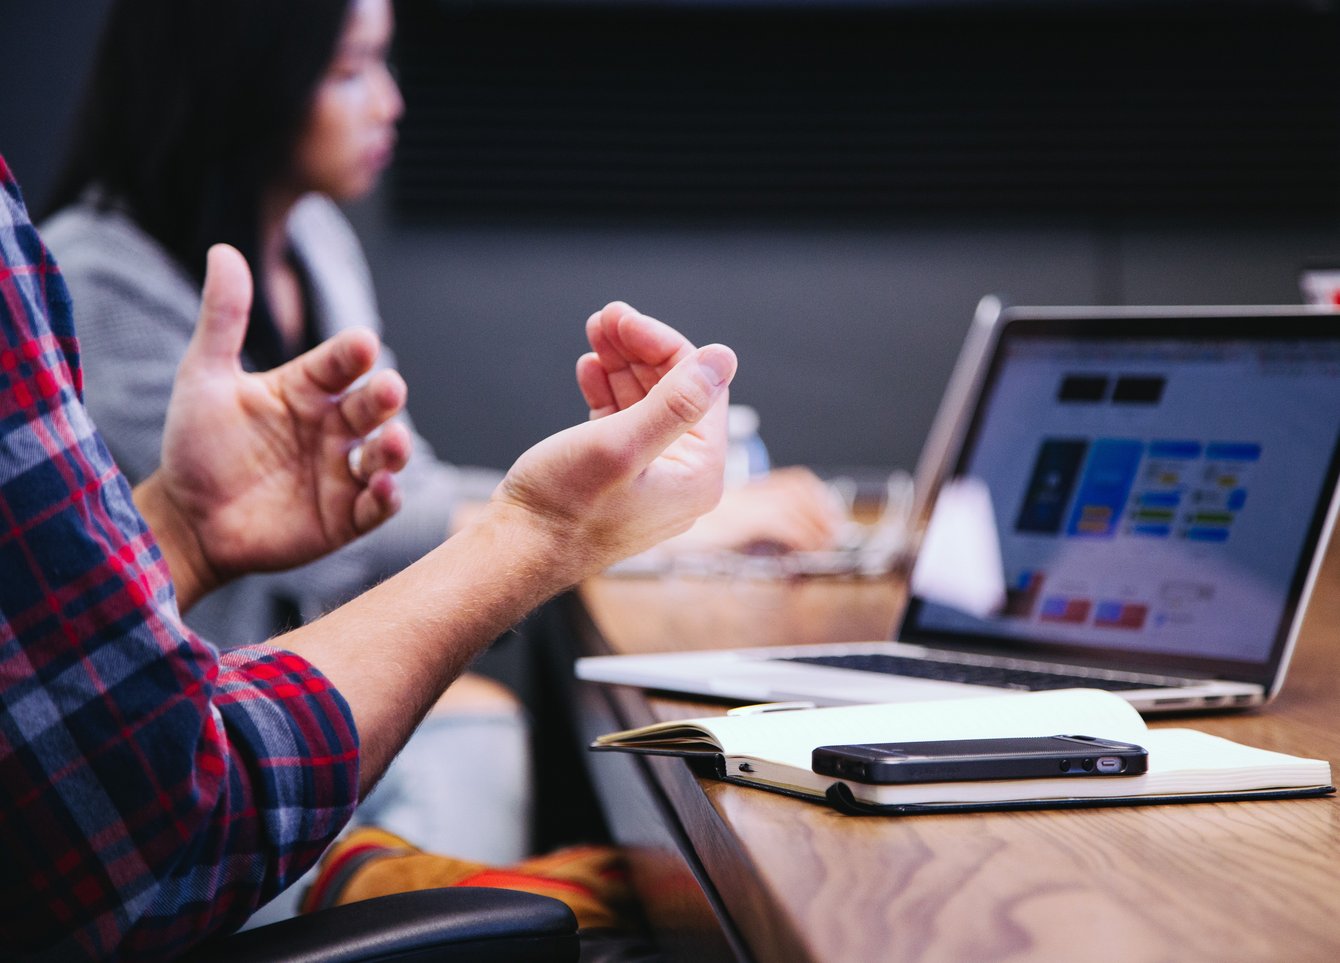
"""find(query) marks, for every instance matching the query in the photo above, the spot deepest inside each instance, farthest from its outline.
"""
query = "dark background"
(828, 188)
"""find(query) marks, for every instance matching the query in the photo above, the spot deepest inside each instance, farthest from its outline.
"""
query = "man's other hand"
(269, 470)
(648, 463)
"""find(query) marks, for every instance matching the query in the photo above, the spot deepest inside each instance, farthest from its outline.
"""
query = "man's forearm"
(393, 650)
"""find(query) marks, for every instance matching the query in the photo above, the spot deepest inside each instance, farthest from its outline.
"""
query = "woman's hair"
(193, 111)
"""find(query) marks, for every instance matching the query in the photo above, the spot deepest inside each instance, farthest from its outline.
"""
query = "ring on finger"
(356, 462)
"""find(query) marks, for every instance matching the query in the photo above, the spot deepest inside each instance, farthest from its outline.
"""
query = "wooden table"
(728, 872)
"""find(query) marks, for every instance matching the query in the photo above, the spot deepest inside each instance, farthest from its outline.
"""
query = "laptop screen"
(1159, 486)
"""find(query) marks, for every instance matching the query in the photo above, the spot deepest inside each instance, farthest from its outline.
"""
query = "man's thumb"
(225, 307)
(683, 398)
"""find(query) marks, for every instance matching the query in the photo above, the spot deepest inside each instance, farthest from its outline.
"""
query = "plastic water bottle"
(746, 455)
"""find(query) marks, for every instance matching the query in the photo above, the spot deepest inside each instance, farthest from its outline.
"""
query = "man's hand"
(651, 459)
(257, 472)
(648, 463)
(630, 352)
(790, 509)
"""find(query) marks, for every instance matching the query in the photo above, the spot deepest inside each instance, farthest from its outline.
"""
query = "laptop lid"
(1163, 485)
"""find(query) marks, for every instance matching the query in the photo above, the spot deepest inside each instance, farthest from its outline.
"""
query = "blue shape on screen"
(1236, 499)
(1153, 531)
(1233, 451)
(1174, 449)
(1054, 606)
(1161, 499)
(1107, 612)
(1104, 488)
(1207, 534)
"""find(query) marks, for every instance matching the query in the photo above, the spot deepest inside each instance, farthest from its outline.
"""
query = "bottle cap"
(742, 422)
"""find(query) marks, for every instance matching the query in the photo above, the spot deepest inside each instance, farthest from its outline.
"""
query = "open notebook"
(1162, 487)
(771, 750)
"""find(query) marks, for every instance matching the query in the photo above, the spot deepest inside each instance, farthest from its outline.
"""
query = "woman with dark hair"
(194, 114)
(238, 122)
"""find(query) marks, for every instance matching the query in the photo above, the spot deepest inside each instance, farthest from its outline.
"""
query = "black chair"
(454, 925)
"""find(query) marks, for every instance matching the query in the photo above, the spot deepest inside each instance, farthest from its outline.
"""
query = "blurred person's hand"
(787, 510)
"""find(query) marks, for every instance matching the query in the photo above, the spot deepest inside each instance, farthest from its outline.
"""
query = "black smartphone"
(957, 760)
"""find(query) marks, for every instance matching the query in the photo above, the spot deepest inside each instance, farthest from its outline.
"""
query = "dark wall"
(846, 327)
(846, 338)
(45, 49)
(831, 189)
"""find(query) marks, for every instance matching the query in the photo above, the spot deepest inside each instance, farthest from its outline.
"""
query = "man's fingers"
(371, 405)
(602, 331)
(620, 331)
(634, 349)
(334, 364)
(377, 502)
(225, 307)
(680, 400)
(388, 450)
(652, 342)
(629, 375)
(594, 383)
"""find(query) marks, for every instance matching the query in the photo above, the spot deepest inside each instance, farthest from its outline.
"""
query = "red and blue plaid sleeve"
(151, 792)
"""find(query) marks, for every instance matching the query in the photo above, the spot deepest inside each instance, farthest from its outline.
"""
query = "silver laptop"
(1163, 484)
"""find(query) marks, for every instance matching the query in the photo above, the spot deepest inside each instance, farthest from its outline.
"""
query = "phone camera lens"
(1065, 765)
(1088, 765)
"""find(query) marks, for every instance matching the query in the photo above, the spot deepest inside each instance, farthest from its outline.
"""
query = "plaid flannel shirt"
(151, 792)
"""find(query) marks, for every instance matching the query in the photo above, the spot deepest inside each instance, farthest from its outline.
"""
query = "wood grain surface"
(797, 881)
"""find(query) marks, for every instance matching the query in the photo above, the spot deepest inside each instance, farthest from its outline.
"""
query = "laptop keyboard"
(999, 676)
